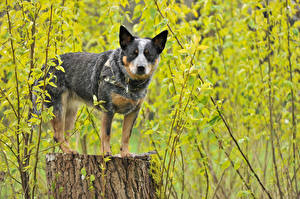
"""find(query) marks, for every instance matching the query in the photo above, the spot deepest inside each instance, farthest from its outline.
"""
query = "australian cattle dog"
(117, 78)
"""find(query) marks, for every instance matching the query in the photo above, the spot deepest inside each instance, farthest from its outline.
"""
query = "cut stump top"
(92, 176)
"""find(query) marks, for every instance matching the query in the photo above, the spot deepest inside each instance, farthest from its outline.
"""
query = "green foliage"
(226, 87)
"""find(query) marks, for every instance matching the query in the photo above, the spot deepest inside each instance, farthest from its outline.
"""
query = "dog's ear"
(125, 37)
(160, 40)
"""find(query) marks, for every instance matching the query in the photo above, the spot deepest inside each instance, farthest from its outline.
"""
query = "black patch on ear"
(125, 38)
(160, 40)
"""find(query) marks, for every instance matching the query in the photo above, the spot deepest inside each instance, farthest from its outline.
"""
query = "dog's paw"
(66, 149)
(126, 154)
(106, 154)
(74, 152)
(69, 151)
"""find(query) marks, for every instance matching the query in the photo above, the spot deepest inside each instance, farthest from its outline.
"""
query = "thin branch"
(216, 181)
(28, 137)
(10, 148)
(239, 148)
(270, 101)
(218, 185)
(221, 115)
(23, 174)
(10, 104)
(163, 167)
(178, 123)
(168, 24)
(294, 123)
(232, 164)
(182, 166)
(220, 47)
(44, 90)
(93, 123)
(9, 174)
(204, 164)
(14, 58)
(8, 171)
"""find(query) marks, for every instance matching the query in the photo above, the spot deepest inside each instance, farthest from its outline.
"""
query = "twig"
(11, 149)
(179, 126)
(213, 174)
(93, 123)
(44, 90)
(220, 47)
(218, 185)
(182, 166)
(8, 171)
(10, 104)
(239, 148)
(168, 24)
(27, 138)
(270, 100)
(23, 174)
(232, 164)
(221, 115)
(204, 164)
(171, 179)
(294, 127)
(14, 59)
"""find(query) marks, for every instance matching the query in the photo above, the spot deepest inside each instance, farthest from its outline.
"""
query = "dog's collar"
(118, 84)
(127, 82)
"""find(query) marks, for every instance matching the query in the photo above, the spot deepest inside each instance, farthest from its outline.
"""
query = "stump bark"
(89, 176)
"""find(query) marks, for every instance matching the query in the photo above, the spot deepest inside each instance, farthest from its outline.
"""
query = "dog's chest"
(123, 104)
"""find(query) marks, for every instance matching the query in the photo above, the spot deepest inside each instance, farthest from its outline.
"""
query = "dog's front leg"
(128, 123)
(105, 132)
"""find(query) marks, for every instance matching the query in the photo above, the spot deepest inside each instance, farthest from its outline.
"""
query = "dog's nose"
(140, 70)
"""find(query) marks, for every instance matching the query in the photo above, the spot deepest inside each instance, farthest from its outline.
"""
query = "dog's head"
(141, 55)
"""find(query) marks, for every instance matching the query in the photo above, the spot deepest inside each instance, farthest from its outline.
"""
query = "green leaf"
(225, 164)
(214, 120)
(83, 171)
(59, 67)
(92, 178)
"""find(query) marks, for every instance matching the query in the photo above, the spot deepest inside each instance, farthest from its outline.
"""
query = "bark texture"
(87, 176)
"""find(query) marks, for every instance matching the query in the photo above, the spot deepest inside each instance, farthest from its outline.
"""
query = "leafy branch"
(221, 116)
(270, 100)
(43, 101)
(294, 124)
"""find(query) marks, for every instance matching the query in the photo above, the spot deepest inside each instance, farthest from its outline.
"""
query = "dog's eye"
(136, 51)
(146, 52)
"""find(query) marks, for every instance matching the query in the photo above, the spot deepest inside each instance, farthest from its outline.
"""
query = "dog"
(117, 78)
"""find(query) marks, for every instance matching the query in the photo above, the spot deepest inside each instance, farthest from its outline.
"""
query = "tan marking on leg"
(70, 119)
(105, 133)
(58, 124)
(58, 127)
(69, 123)
(128, 123)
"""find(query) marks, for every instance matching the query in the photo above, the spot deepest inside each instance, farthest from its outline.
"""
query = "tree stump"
(91, 176)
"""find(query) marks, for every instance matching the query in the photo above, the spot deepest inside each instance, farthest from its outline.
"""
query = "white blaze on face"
(141, 60)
